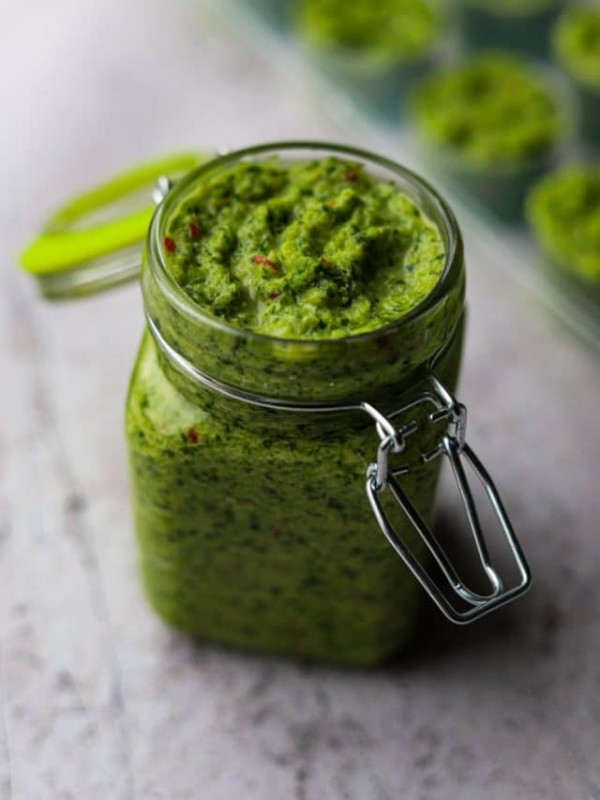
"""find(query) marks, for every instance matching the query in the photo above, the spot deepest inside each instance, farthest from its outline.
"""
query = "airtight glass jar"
(250, 505)
(265, 469)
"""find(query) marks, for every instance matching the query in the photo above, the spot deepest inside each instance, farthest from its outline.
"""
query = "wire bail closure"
(452, 443)
(380, 476)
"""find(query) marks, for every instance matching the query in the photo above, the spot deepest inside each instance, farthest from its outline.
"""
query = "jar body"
(261, 535)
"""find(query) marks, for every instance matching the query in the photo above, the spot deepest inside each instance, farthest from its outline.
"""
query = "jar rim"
(180, 300)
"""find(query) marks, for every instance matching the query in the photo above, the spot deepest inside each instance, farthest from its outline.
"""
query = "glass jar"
(251, 513)
(264, 470)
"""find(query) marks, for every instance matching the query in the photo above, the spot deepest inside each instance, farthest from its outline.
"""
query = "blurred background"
(100, 700)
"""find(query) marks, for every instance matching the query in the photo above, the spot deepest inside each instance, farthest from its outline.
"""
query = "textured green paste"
(311, 250)
(254, 527)
(564, 211)
(493, 110)
(577, 44)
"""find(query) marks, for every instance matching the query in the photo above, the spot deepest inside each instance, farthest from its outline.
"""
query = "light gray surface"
(99, 700)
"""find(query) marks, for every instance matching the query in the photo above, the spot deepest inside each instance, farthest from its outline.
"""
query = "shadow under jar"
(249, 455)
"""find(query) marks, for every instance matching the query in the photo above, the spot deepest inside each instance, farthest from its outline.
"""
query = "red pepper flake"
(170, 245)
(266, 262)
(194, 229)
(275, 295)
(387, 346)
(333, 201)
(277, 533)
(192, 436)
(351, 176)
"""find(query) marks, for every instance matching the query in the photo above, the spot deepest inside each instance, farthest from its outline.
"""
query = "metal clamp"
(451, 443)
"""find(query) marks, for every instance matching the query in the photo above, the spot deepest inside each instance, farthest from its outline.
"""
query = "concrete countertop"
(99, 700)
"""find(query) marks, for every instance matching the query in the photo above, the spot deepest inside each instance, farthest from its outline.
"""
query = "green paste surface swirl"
(310, 250)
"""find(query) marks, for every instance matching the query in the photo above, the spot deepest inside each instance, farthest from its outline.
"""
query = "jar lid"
(95, 240)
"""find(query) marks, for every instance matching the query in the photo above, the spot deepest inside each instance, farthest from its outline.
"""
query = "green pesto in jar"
(315, 250)
(396, 29)
(564, 212)
(577, 44)
(258, 533)
(491, 111)
(253, 525)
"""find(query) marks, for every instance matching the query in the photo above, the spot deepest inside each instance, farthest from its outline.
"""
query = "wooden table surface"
(99, 700)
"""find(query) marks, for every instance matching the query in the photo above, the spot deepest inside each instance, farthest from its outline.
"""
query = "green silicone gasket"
(62, 246)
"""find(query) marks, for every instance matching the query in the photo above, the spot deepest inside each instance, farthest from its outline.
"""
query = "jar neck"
(241, 377)
(266, 416)
(360, 368)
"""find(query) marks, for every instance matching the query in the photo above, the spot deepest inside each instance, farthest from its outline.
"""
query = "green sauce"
(400, 29)
(564, 212)
(253, 525)
(258, 532)
(491, 111)
(303, 251)
(577, 44)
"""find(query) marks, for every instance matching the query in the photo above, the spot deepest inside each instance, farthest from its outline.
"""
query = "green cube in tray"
(374, 51)
(577, 49)
(564, 214)
(492, 125)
